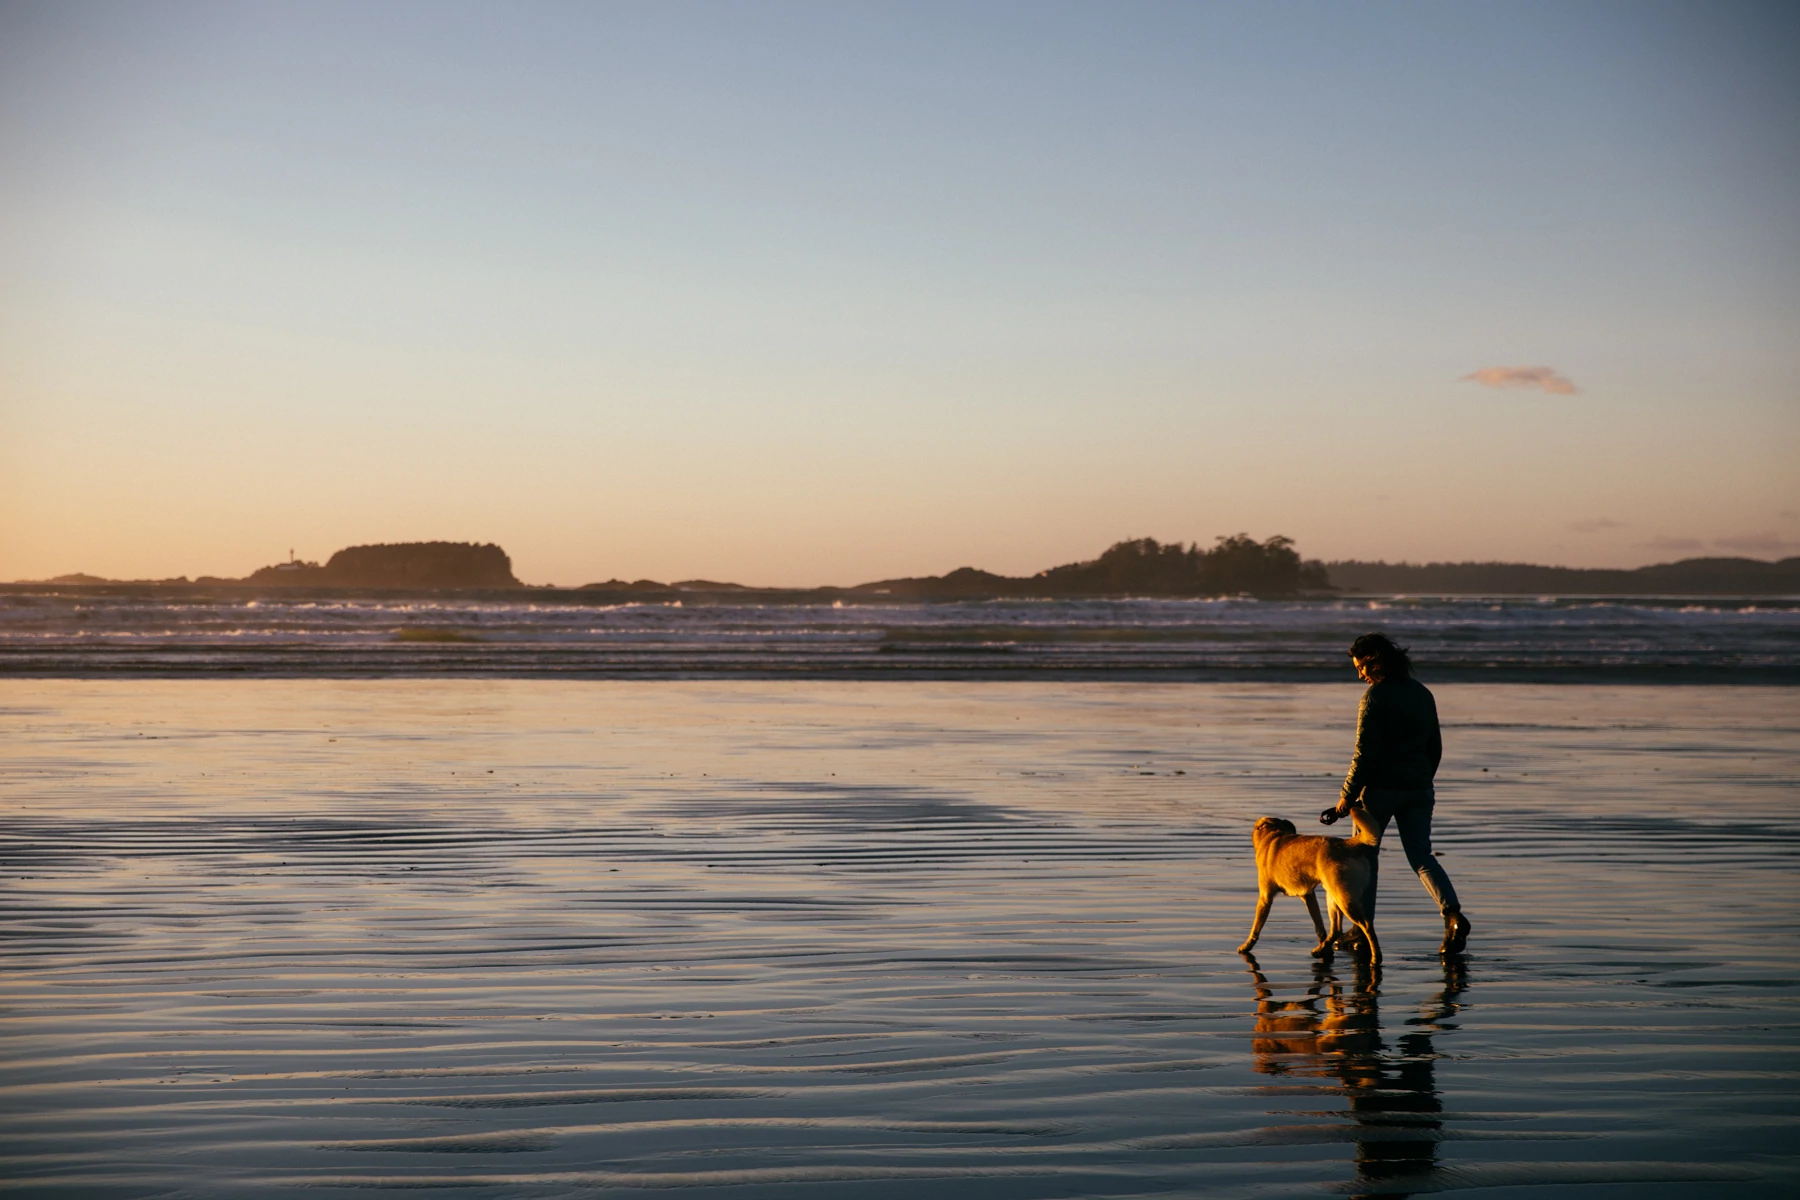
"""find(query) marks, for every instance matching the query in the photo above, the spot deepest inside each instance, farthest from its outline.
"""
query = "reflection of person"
(1397, 751)
(1333, 1030)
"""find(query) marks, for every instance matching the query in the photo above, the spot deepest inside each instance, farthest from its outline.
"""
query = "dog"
(1287, 861)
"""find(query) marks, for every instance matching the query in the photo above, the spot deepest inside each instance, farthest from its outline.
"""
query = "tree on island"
(1236, 563)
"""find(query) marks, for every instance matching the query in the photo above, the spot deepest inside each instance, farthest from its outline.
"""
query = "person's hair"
(1386, 660)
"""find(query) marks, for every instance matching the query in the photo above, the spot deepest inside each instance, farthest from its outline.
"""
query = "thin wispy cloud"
(1767, 542)
(1543, 379)
(1674, 545)
(1595, 525)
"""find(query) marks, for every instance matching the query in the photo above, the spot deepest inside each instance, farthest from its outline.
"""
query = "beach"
(818, 937)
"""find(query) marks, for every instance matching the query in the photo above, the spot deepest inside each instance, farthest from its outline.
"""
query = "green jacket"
(1397, 740)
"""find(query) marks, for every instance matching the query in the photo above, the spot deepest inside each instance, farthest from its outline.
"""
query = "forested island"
(399, 565)
(1234, 565)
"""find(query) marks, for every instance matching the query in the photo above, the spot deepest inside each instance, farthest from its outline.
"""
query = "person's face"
(1362, 668)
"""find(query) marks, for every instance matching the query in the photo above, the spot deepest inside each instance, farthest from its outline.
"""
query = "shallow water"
(536, 938)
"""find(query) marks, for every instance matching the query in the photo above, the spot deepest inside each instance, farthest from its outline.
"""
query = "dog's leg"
(1364, 920)
(1262, 914)
(1341, 937)
(1344, 933)
(1312, 910)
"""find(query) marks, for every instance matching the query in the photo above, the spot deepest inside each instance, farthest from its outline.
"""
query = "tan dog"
(1288, 862)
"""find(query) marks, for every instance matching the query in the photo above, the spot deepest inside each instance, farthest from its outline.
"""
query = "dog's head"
(1268, 827)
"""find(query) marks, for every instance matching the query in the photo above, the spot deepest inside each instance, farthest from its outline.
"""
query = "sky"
(799, 294)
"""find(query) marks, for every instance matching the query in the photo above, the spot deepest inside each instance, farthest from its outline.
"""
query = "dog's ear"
(1276, 825)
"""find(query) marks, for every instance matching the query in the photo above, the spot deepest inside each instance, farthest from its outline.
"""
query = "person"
(1398, 747)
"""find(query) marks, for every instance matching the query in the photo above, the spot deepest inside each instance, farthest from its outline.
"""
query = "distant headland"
(1689, 577)
(400, 565)
(1234, 565)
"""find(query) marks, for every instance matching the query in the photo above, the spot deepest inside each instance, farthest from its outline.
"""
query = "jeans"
(1411, 813)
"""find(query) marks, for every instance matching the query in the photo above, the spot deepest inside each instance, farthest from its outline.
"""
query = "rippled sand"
(542, 939)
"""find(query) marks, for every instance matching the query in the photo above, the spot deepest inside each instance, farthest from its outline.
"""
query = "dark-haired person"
(1398, 747)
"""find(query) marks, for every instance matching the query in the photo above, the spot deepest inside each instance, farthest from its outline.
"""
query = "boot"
(1456, 933)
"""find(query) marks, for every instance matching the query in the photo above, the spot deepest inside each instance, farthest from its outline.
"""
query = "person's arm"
(1362, 759)
(1437, 740)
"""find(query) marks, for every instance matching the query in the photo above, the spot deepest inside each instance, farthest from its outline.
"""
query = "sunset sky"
(824, 293)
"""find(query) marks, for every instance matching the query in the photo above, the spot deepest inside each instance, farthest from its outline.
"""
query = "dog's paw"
(1323, 949)
(1245, 948)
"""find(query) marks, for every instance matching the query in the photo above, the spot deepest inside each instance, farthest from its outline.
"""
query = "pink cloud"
(1544, 379)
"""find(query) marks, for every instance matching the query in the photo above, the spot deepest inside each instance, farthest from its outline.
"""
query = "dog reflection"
(1332, 1030)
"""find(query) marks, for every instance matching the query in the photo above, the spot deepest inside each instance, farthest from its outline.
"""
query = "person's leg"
(1413, 820)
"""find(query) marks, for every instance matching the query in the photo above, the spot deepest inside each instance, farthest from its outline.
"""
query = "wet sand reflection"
(1333, 1030)
(506, 938)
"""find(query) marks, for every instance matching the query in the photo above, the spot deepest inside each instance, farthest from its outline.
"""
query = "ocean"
(123, 631)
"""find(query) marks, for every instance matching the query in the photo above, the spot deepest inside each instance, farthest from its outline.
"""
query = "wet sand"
(519, 938)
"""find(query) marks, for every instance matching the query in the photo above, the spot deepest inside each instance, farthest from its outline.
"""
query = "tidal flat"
(488, 937)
